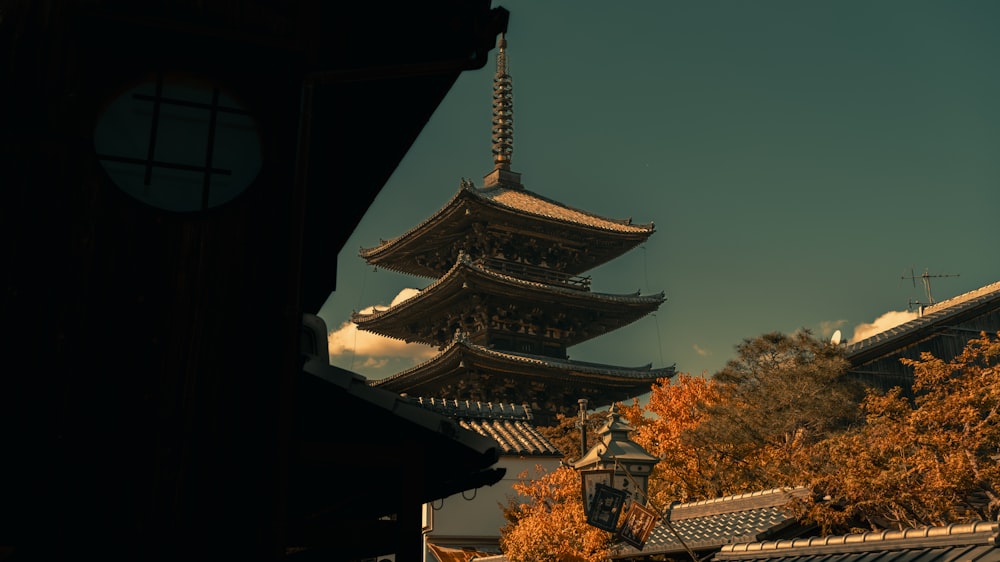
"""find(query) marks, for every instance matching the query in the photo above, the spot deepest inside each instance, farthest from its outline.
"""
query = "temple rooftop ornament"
(503, 124)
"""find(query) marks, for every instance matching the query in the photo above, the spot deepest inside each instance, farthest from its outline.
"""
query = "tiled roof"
(504, 204)
(515, 437)
(527, 202)
(931, 316)
(968, 542)
(509, 424)
(710, 524)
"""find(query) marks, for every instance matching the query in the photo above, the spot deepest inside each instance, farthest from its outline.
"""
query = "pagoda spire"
(503, 111)
(503, 123)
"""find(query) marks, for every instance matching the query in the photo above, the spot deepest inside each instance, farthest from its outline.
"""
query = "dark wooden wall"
(943, 341)
(150, 357)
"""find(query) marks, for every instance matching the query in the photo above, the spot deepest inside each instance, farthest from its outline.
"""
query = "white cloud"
(374, 363)
(701, 351)
(400, 297)
(404, 295)
(888, 320)
(371, 351)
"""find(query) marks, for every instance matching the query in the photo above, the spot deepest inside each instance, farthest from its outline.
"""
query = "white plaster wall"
(481, 517)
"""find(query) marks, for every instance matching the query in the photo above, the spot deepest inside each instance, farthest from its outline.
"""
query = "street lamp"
(615, 476)
(626, 463)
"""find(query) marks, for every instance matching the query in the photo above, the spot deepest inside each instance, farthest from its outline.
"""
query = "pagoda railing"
(537, 274)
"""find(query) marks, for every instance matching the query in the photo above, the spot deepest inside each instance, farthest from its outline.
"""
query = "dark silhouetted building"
(175, 176)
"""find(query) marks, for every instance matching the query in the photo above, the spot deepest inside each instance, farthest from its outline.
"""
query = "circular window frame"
(178, 143)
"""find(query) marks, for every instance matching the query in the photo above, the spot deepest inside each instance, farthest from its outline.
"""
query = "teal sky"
(797, 157)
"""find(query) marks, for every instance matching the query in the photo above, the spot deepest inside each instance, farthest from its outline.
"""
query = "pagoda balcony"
(537, 274)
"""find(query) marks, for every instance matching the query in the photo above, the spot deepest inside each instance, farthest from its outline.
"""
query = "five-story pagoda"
(508, 297)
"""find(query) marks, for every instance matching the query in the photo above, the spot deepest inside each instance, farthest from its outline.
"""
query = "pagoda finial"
(503, 111)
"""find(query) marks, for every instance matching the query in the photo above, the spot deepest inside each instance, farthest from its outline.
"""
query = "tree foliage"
(932, 462)
(781, 394)
(782, 389)
(752, 425)
(785, 413)
(565, 435)
(547, 522)
(664, 428)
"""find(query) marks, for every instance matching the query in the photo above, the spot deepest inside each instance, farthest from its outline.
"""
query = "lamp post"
(615, 476)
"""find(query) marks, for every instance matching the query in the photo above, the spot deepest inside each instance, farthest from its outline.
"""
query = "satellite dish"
(835, 340)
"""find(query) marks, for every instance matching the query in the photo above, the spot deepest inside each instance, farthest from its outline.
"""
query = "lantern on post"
(615, 462)
(615, 476)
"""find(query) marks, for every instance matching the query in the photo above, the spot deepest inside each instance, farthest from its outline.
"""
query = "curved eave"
(451, 216)
(466, 279)
(514, 206)
(462, 355)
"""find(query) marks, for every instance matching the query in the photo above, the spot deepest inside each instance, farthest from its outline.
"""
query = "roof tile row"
(509, 424)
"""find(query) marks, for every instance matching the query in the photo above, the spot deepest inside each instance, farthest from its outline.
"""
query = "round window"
(178, 144)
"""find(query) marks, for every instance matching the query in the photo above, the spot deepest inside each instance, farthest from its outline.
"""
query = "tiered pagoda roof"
(486, 294)
(549, 385)
(508, 298)
(506, 219)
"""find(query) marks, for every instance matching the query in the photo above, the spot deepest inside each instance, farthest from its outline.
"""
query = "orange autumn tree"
(751, 426)
(663, 427)
(782, 414)
(546, 522)
(929, 462)
(565, 434)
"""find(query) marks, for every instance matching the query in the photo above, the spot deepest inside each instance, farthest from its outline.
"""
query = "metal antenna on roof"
(926, 279)
(503, 111)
